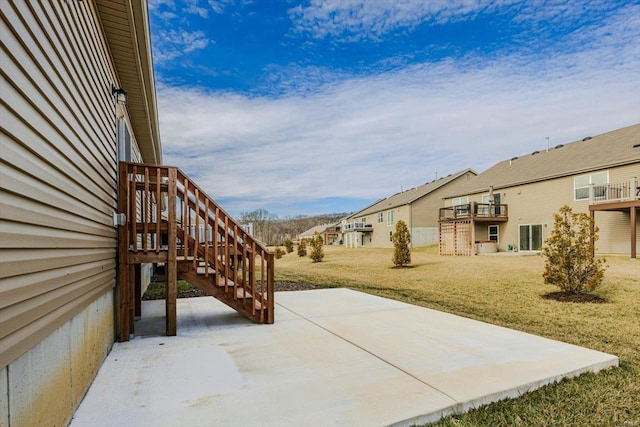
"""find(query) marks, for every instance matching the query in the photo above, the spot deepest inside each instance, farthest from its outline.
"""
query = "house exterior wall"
(425, 213)
(380, 235)
(58, 194)
(421, 216)
(536, 203)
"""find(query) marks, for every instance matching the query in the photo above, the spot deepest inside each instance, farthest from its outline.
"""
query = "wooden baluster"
(252, 267)
(185, 219)
(206, 237)
(263, 283)
(245, 254)
(134, 210)
(216, 241)
(196, 232)
(158, 212)
(145, 207)
(226, 257)
(234, 262)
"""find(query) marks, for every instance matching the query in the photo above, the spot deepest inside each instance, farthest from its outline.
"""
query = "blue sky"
(325, 106)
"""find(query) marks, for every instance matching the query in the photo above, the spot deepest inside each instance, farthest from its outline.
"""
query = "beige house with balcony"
(417, 207)
(330, 233)
(510, 206)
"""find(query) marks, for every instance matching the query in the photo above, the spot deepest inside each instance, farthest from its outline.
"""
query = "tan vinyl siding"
(58, 170)
(536, 203)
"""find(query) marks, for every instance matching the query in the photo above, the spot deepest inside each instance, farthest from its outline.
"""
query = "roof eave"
(132, 59)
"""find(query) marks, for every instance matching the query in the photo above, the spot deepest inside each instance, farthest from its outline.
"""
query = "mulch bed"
(571, 297)
(279, 287)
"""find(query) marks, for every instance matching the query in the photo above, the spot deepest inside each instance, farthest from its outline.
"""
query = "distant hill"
(272, 230)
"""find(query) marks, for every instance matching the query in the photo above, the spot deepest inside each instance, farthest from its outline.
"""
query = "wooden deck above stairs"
(166, 218)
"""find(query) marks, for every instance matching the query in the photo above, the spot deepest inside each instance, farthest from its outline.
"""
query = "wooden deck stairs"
(165, 218)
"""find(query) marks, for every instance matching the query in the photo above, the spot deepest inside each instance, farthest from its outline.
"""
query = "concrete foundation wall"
(46, 384)
(424, 236)
(4, 398)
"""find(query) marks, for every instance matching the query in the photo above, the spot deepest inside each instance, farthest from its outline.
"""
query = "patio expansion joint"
(372, 354)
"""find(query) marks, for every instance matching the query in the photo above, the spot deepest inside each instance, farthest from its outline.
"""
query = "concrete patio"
(334, 357)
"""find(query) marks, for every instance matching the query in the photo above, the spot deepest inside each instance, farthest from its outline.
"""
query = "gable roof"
(616, 148)
(317, 229)
(410, 196)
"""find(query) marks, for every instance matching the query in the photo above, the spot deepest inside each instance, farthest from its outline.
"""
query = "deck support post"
(633, 214)
(138, 291)
(123, 256)
(172, 264)
(270, 285)
(592, 214)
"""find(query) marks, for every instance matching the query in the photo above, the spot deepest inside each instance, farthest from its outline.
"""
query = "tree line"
(272, 230)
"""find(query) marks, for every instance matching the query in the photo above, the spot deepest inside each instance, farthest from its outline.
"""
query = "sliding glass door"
(530, 237)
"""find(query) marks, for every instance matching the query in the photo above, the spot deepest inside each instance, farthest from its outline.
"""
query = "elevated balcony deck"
(358, 226)
(618, 196)
(479, 212)
(622, 197)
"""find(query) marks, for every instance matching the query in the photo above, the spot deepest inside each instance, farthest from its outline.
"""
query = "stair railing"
(152, 197)
(208, 235)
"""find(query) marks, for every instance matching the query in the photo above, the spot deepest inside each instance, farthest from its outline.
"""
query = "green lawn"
(506, 291)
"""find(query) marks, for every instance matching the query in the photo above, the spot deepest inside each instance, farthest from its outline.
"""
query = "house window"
(124, 141)
(530, 237)
(389, 217)
(582, 183)
(460, 201)
(493, 233)
(463, 203)
(380, 217)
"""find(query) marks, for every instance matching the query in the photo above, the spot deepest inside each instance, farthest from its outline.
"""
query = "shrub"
(401, 239)
(317, 253)
(569, 250)
(302, 248)
(279, 252)
(288, 244)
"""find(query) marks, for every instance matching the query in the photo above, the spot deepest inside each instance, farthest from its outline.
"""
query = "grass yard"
(506, 291)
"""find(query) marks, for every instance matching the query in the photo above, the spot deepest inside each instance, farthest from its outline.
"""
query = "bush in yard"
(302, 248)
(570, 263)
(317, 253)
(279, 252)
(401, 239)
(288, 244)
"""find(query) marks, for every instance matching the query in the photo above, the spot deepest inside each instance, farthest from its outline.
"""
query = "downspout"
(410, 225)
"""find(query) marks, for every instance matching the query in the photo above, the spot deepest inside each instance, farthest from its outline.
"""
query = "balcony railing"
(476, 211)
(620, 192)
(357, 226)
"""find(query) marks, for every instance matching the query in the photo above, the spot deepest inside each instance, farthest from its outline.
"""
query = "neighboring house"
(330, 233)
(510, 206)
(417, 207)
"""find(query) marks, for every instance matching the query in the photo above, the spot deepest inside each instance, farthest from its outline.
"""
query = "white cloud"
(169, 45)
(359, 19)
(354, 20)
(366, 137)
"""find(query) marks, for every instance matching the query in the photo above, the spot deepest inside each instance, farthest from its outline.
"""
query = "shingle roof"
(615, 148)
(409, 196)
(317, 229)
